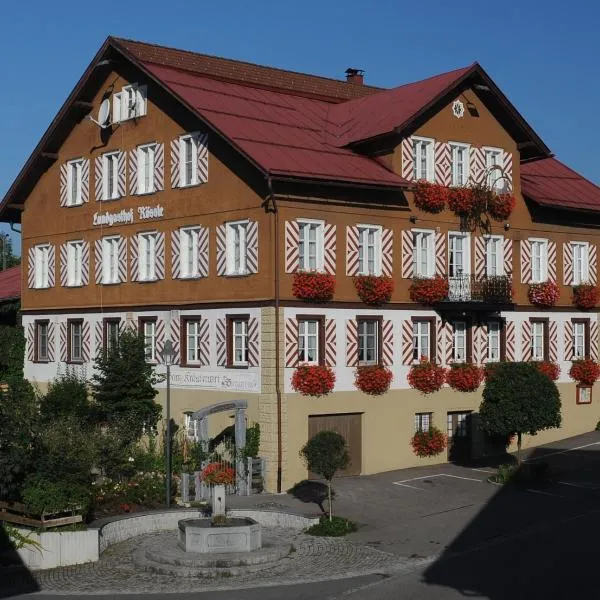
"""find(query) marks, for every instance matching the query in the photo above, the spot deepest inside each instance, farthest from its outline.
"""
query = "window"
(75, 341)
(494, 256)
(538, 340)
(309, 340)
(458, 425)
(236, 248)
(42, 266)
(423, 158)
(145, 173)
(423, 421)
(129, 103)
(148, 330)
(192, 341)
(539, 260)
(459, 341)
(423, 339)
(110, 176)
(580, 262)
(74, 182)
(110, 260)
(111, 334)
(459, 260)
(581, 338)
(188, 157)
(369, 250)
(189, 240)
(147, 256)
(493, 341)
(41, 341)
(493, 163)
(74, 263)
(191, 427)
(423, 255)
(368, 341)
(460, 163)
(310, 249)
(238, 340)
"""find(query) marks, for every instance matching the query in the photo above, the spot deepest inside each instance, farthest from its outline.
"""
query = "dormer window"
(129, 103)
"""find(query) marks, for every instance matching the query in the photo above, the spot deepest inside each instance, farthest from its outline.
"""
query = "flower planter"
(544, 295)
(430, 197)
(218, 474)
(501, 206)
(426, 377)
(585, 296)
(464, 377)
(428, 290)
(460, 200)
(548, 368)
(313, 380)
(374, 380)
(374, 289)
(428, 443)
(585, 371)
(313, 287)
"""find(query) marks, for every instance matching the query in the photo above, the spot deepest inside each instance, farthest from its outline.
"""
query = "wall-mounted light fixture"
(506, 226)
(412, 219)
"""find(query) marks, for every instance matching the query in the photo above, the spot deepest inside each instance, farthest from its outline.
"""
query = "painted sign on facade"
(124, 217)
(234, 382)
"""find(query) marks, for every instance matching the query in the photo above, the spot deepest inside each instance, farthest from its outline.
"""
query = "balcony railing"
(491, 290)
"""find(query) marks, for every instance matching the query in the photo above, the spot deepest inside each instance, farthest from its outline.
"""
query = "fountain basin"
(237, 535)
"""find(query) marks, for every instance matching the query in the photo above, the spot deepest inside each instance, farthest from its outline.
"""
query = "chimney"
(355, 76)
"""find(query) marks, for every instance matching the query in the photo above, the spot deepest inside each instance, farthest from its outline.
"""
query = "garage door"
(347, 425)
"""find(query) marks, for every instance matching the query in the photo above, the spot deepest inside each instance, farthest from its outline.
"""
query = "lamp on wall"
(168, 355)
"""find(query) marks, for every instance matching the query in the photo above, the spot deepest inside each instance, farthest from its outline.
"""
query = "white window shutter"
(203, 238)
(64, 264)
(252, 247)
(221, 249)
(525, 261)
(292, 242)
(160, 255)
(352, 250)
(221, 339)
(51, 265)
(330, 342)
(253, 343)
(291, 342)
(526, 339)
(387, 342)
(85, 180)
(122, 259)
(202, 150)
(592, 263)
(133, 171)
(567, 263)
(204, 343)
(440, 254)
(141, 102)
(31, 268)
(98, 178)
(122, 172)
(175, 163)
(351, 343)
(508, 267)
(85, 263)
(408, 160)
(480, 257)
(551, 260)
(116, 112)
(64, 186)
(98, 268)
(159, 167)
(387, 252)
(134, 261)
(176, 254)
(507, 168)
(62, 334)
(329, 248)
(407, 254)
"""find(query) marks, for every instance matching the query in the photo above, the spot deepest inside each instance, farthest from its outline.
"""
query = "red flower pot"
(428, 443)
(374, 380)
(548, 368)
(464, 377)
(430, 197)
(585, 296)
(313, 380)
(544, 294)
(501, 206)
(313, 287)
(585, 371)
(426, 377)
(374, 289)
(428, 290)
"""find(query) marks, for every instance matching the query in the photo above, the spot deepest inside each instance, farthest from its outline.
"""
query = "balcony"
(470, 293)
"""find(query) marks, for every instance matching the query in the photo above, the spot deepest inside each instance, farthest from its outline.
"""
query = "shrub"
(585, 371)
(427, 377)
(544, 294)
(374, 289)
(585, 296)
(252, 447)
(501, 206)
(374, 380)
(67, 396)
(309, 490)
(428, 443)
(429, 290)
(505, 474)
(548, 368)
(464, 377)
(12, 351)
(430, 197)
(45, 495)
(334, 527)
(313, 287)
(313, 380)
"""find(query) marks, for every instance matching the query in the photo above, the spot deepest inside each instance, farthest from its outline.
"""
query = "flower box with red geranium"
(313, 286)
(460, 200)
(544, 294)
(585, 296)
(428, 290)
(585, 371)
(429, 443)
(374, 380)
(427, 377)
(430, 197)
(218, 474)
(548, 368)
(374, 289)
(313, 380)
(501, 206)
(464, 377)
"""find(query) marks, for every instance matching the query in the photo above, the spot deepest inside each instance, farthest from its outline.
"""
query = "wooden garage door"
(347, 425)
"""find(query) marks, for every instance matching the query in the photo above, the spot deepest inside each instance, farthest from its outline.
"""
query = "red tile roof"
(551, 183)
(10, 283)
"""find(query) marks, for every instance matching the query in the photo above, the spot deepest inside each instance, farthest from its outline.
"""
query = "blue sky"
(543, 55)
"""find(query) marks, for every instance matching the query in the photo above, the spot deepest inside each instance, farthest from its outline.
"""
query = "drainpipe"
(271, 199)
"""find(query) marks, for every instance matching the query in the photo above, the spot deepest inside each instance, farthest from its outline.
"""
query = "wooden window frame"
(546, 323)
(586, 329)
(379, 320)
(320, 333)
(229, 319)
(468, 338)
(184, 342)
(432, 337)
(70, 323)
(141, 322)
(105, 322)
(417, 414)
(36, 349)
(502, 324)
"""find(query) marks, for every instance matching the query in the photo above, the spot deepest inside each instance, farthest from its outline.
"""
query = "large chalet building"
(179, 193)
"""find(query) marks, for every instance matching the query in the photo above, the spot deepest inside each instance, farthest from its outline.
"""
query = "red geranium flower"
(374, 289)
(464, 377)
(430, 197)
(585, 371)
(585, 296)
(313, 286)
(429, 290)
(374, 380)
(548, 368)
(428, 443)
(544, 294)
(501, 206)
(313, 380)
(460, 200)
(427, 377)
(218, 474)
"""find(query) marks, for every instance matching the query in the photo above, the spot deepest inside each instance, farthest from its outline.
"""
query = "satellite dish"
(103, 114)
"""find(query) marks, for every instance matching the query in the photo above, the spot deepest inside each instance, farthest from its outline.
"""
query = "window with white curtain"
(147, 256)
(459, 341)
(236, 235)
(493, 341)
(580, 262)
(579, 340)
(189, 239)
(421, 340)
(423, 421)
(423, 158)
(311, 246)
(493, 164)
(42, 266)
(308, 341)
(149, 333)
(239, 331)
(369, 250)
(460, 163)
(74, 182)
(74, 263)
(368, 342)
(110, 260)
(110, 176)
(192, 331)
(423, 254)
(537, 340)
(539, 261)
(494, 255)
(145, 172)
(188, 155)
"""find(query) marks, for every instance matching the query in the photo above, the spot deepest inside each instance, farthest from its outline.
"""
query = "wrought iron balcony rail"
(468, 288)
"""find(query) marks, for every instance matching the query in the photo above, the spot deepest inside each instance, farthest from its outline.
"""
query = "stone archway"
(240, 407)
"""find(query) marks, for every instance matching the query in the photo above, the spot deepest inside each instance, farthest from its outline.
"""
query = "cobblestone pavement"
(314, 559)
